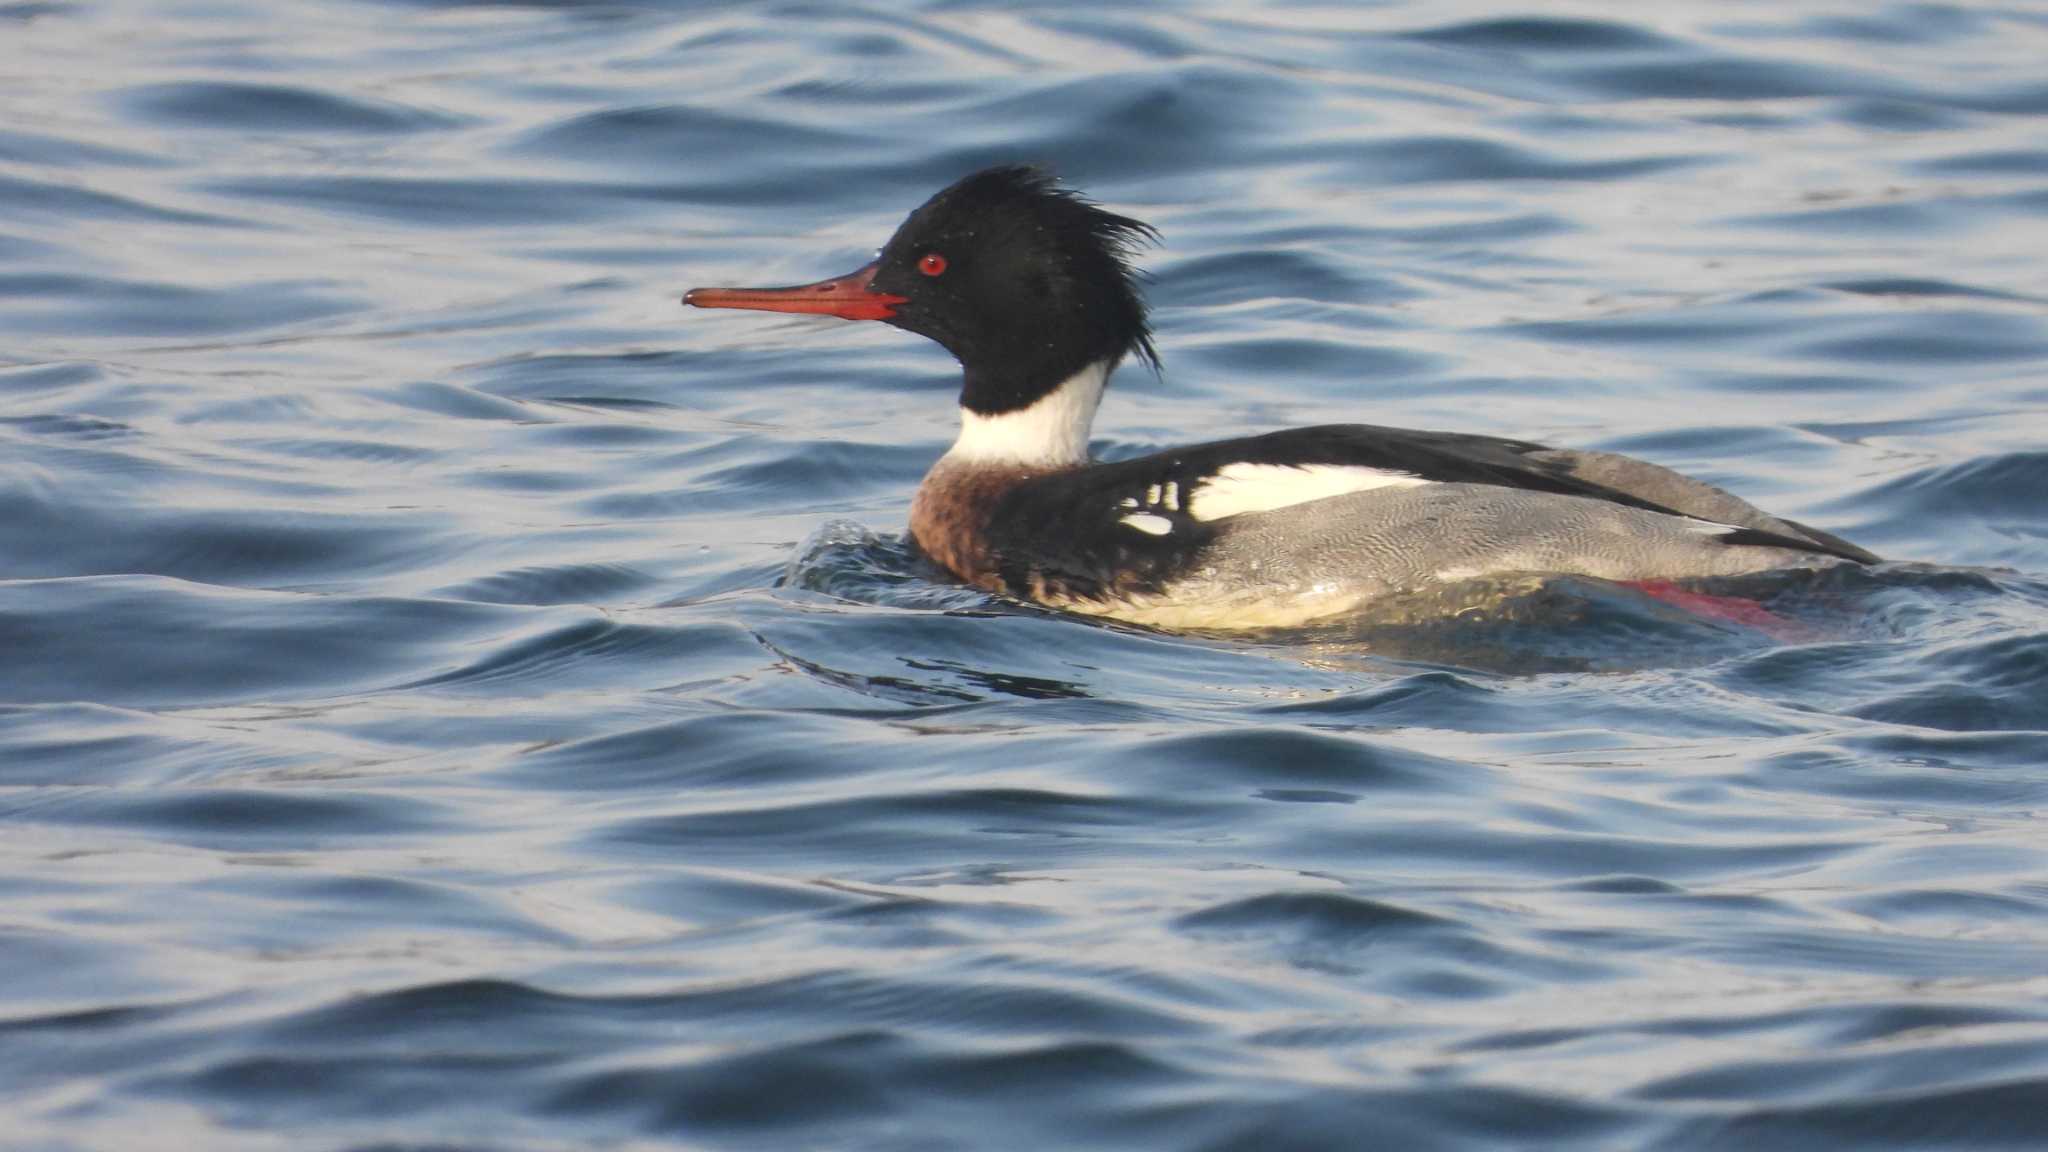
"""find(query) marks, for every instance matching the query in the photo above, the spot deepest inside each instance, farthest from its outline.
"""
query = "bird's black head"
(1024, 281)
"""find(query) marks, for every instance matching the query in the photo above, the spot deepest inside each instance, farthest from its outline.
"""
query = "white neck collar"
(1052, 432)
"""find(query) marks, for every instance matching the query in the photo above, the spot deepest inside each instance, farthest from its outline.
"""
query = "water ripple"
(244, 107)
(453, 695)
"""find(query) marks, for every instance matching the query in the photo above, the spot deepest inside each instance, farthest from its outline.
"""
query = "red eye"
(932, 264)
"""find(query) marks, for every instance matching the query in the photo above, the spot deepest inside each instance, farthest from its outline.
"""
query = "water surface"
(453, 698)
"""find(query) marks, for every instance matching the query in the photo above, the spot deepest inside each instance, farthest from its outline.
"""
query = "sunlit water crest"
(455, 699)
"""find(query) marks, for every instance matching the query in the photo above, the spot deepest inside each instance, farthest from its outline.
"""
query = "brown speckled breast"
(949, 518)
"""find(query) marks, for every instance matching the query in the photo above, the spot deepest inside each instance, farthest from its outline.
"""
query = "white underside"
(1281, 609)
(1296, 608)
(1053, 433)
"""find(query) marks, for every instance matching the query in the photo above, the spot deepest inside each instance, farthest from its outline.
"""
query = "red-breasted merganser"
(1030, 286)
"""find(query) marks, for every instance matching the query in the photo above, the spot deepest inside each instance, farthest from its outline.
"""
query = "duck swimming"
(1031, 287)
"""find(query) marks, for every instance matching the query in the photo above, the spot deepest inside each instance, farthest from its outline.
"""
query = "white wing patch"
(1708, 527)
(1236, 489)
(1149, 524)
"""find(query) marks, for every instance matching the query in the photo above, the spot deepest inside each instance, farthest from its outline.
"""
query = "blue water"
(454, 698)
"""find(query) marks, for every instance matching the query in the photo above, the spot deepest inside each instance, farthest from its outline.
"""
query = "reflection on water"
(453, 698)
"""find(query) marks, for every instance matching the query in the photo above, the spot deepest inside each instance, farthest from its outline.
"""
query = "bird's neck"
(1049, 433)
